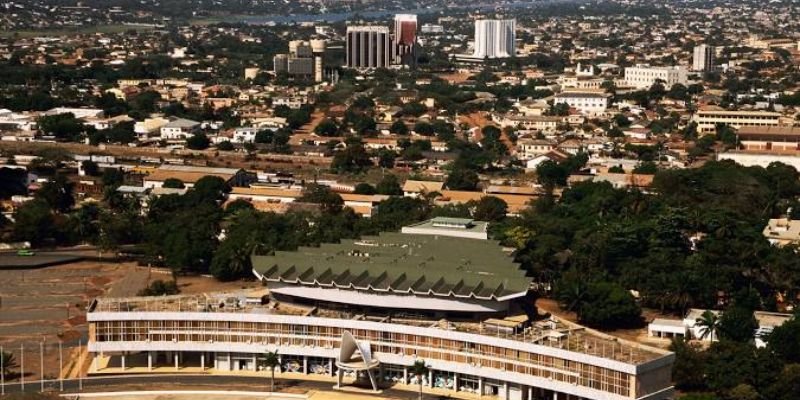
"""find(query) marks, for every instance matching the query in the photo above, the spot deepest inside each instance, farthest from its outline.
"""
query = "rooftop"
(402, 263)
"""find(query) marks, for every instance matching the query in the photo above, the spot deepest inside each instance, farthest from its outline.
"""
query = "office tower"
(405, 39)
(495, 38)
(304, 59)
(368, 47)
(703, 58)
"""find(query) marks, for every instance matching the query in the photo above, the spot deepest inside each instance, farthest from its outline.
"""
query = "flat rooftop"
(428, 265)
(550, 332)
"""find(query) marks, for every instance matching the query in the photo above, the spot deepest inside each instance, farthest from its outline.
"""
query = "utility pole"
(60, 368)
(41, 365)
(2, 373)
(22, 367)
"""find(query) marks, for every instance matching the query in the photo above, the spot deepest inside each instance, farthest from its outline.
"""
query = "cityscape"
(400, 199)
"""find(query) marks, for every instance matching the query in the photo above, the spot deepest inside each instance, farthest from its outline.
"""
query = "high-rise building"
(405, 39)
(368, 47)
(304, 59)
(703, 59)
(495, 38)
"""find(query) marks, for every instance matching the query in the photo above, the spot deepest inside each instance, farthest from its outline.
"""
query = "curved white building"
(459, 304)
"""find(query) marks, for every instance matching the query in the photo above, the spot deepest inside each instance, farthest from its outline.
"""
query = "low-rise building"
(179, 129)
(708, 118)
(644, 76)
(588, 103)
(782, 231)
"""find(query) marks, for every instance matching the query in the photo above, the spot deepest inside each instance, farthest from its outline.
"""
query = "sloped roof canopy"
(402, 264)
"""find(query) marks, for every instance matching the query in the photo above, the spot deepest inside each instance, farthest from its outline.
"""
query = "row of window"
(425, 347)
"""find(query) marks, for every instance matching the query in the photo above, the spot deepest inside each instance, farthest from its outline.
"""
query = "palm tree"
(8, 362)
(271, 361)
(709, 324)
(419, 369)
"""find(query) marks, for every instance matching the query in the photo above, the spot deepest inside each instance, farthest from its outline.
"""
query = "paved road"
(183, 381)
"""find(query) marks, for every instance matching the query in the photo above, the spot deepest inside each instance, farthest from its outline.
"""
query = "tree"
(113, 177)
(386, 158)
(550, 174)
(121, 133)
(646, 168)
(491, 142)
(198, 141)
(743, 391)
(784, 341)
(737, 324)
(352, 159)
(225, 145)
(389, 186)
(423, 128)
(62, 126)
(327, 127)
(173, 183)
(9, 362)
(708, 324)
(58, 194)
(90, 168)
(399, 128)
(13, 181)
(271, 362)
(462, 179)
(687, 371)
(364, 188)
(324, 196)
(609, 306)
(490, 208)
(419, 369)
(209, 189)
(34, 222)
(160, 288)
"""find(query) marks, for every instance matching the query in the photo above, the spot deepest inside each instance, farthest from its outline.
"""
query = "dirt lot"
(42, 307)
(638, 335)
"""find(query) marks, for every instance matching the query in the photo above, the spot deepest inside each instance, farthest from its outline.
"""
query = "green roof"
(401, 263)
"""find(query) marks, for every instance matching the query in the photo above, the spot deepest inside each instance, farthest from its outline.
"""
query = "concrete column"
(430, 378)
(305, 365)
(405, 375)
(555, 395)
(203, 361)
(330, 366)
(149, 360)
(504, 395)
(123, 361)
(480, 386)
(455, 382)
(177, 361)
(255, 362)
(530, 392)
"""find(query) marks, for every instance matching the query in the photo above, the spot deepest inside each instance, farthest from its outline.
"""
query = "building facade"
(495, 38)
(708, 119)
(703, 58)
(405, 39)
(588, 103)
(644, 76)
(304, 60)
(441, 293)
(368, 47)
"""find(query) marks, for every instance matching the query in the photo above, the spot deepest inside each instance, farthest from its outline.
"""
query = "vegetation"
(160, 288)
